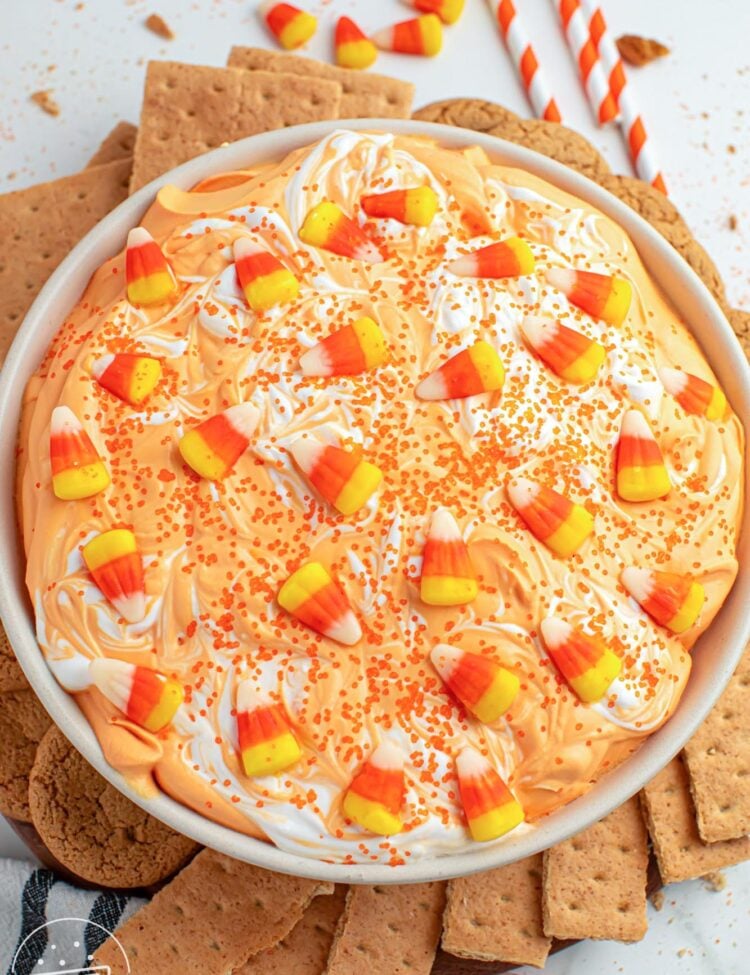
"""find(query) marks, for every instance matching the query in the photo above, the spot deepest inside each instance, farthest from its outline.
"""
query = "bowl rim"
(729, 632)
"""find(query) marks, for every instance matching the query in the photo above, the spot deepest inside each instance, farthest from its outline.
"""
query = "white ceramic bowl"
(715, 656)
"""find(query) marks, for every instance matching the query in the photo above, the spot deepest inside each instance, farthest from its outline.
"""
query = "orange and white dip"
(578, 506)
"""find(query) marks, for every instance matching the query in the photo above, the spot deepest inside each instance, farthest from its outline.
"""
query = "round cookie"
(466, 113)
(740, 322)
(12, 678)
(654, 207)
(548, 138)
(23, 722)
(93, 829)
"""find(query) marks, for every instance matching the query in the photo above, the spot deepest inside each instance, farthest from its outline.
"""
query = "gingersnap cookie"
(23, 722)
(548, 138)
(12, 678)
(663, 216)
(93, 829)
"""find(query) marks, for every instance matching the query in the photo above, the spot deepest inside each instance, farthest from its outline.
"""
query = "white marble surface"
(697, 106)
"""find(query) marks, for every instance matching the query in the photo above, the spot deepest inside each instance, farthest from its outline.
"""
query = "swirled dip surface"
(215, 554)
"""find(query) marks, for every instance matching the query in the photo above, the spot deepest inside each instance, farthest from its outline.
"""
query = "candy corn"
(316, 600)
(477, 369)
(376, 794)
(339, 476)
(327, 226)
(422, 35)
(145, 697)
(569, 354)
(129, 377)
(214, 446)
(290, 26)
(148, 275)
(508, 258)
(641, 474)
(115, 565)
(602, 296)
(484, 688)
(491, 808)
(77, 469)
(674, 601)
(448, 577)
(267, 745)
(561, 524)
(352, 349)
(586, 662)
(447, 10)
(416, 206)
(693, 394)
(264, 280)
(353, 48)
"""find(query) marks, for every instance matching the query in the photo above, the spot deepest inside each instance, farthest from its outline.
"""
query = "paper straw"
(524, 60)
(594, 80)
(641, 148)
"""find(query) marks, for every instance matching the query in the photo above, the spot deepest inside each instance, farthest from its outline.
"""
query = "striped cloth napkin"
(48, 926)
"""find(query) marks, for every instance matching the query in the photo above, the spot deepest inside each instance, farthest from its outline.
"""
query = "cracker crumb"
(638, 51)
(657, 899)
(731, 149)
(715, 881)
(46, 102)
(157, 25)
(732, 222)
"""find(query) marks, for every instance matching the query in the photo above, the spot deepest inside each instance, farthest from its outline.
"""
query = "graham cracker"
(304, 951)
(594, 885)
(41, 224)
(670, 815)
(210, 919)
(189, 109)
(117, 145)
(364, 95)
(497, 916)
(718, 762)
(388, 931)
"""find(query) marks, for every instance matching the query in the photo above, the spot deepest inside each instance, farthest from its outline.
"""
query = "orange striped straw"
(593, 78)
(525, 61)
(641, 148)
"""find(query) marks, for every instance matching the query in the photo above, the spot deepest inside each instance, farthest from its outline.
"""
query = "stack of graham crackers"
(695, 816)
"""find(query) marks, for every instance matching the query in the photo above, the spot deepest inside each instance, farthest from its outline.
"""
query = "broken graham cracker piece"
(365, 95)
(718, 762)
(594, 884)
(210, 919)
(670, 815)
(117, 145)
(637, 51)
(388, 930)
(189, 109)
(41, 224)
(304, 951)
(497, 916)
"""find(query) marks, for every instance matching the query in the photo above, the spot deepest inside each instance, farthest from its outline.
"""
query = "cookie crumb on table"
(158, 25)
(715, 881)
(657, 900)
(46, 102)
(638, 51)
